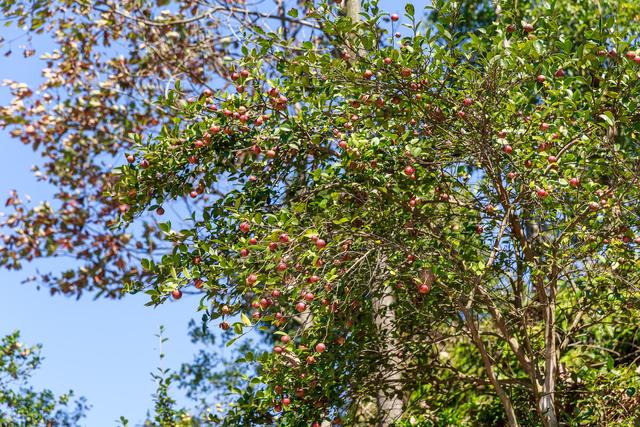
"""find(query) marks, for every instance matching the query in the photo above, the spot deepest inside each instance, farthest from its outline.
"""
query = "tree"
(481, 179)
(110, 63)
(20, 404)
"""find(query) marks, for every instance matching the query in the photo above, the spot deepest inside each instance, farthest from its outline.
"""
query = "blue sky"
(103, 350)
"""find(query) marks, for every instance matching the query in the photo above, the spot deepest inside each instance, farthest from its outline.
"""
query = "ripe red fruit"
(527, 28)
(545, 126)
(284, 238)
(235, 76)
(411, 258)
(224, 326)
(511, 28)
(461, 114)
(245, 227)
(197, 260)
(343, 144)
(368, 74)
(542, 193)
(256, 149)
(277, 349)
(144, 163)
(300, 307)
(387, 61)
(528, 164)
(405, 72)
(281, 267)
(285, 338)
(314, 279)
(320, 243)
(320, 347)
(198, 283)
(502, 134)
(240, 89)
(160, 211)
(244, 73)
(193, 194)
(311, 360)
(176, 294)
(275, 293)
(467, 102)
(271, 154)
(552, 159)
(277, 408)
(559, 73)
(424, 288)
(244, 252)
(540, 78)
(395, 17)
(273, 246)
(309, 296)
(286, 401)
(409, 170)
(131, 158)
(251, 279)
(507, 149)
(278, 389)
(253, 241)
(511, 175)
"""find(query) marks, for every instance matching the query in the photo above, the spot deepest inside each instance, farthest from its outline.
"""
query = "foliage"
(444, 224)
(20, 404)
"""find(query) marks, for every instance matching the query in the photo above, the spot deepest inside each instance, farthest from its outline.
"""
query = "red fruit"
(245, 227)
(244, 73)
(192, 159)
(197, 260)
(193, 194)
(225, 309)
(278, 389)
(214, 129)
(253, 241)
(131, 158)
(224, 326)
(300, 307)
(552, 159)
(320, 243)
(320, 347)
(559, 73)
(467, 102)
(281, 267)
(368, 74)
(424, 288)
(574, 182)
(271, 154)
(636, 59)
(176, 294)
(311, 360)
(273, 246)
(545, 126)
(284, 238)
(314, 279)
(542, 193)
(244, 252)
(285, 338)
(387, 61)
(198, 144)
(160, 211)
(309, 296)
(528, 164)
(144, 163)
(275, 293)
(256, 149)
(409, 170)
(198, 283)
(405, 72)
(502, 134)
(395, 17)
(511, 175)
(277, 408)
(511, 28)
(256, 315)
(527, 28)
(507, 149)
(277, 349)
(251, 279)
(461, 114)
(286, 401)
(343, 144)
(541, 78)
(411, 258)
(235, 76)
(240, 89)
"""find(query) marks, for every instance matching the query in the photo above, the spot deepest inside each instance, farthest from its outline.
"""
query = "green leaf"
(245, 319)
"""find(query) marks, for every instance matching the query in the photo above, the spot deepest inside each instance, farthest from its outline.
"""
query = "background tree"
(481, 177)
(20, 404)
